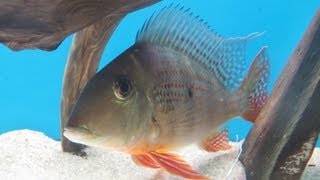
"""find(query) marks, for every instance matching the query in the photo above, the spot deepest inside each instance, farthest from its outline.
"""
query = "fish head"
(113, 110)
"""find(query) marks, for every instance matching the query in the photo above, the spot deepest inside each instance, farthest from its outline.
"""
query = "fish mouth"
(80, 135)
(83, 135)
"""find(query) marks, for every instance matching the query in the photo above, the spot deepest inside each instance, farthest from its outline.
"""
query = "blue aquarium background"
(31, 80)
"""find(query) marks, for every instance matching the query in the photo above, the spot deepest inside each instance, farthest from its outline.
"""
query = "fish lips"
(80, 135)
(83, 135)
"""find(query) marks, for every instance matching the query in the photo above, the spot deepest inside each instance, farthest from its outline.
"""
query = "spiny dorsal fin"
(177, 28)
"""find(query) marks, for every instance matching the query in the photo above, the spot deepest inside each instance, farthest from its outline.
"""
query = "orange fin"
(255, 85)
(174, 164)
(145, 160)
(218, 141)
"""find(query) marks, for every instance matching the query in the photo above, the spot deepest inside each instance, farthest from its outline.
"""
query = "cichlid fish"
(175, 86)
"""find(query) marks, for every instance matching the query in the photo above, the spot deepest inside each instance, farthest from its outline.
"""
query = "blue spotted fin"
(255, 85)
(177, 28)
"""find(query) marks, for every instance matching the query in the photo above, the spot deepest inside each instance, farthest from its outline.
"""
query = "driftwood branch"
(84, 57)
(284, 136)
(43, 24)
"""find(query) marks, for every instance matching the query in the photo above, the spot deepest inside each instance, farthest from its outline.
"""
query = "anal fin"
(174, 164)
(145, 160)
(218, 141)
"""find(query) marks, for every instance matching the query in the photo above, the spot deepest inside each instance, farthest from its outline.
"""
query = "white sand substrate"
(26, 154)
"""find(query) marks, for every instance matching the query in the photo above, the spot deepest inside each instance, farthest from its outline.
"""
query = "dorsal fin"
(177, 28)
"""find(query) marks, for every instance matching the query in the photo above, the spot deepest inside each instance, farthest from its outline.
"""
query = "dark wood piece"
(43, 24)
(284, 135)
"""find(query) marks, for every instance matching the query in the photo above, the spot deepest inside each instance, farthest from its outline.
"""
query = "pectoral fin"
(174, 164)
(218, 141)
(145, 160)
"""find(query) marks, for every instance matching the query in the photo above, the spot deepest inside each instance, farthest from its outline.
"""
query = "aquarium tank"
(32, 79)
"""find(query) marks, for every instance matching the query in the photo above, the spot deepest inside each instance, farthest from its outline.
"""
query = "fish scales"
(185, 91)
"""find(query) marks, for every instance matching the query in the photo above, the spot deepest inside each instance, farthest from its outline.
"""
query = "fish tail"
(255, 85)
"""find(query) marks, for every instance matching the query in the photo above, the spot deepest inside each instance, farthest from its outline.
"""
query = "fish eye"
(122, 88)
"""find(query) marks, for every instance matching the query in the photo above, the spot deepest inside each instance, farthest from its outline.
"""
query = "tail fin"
(255, 85)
